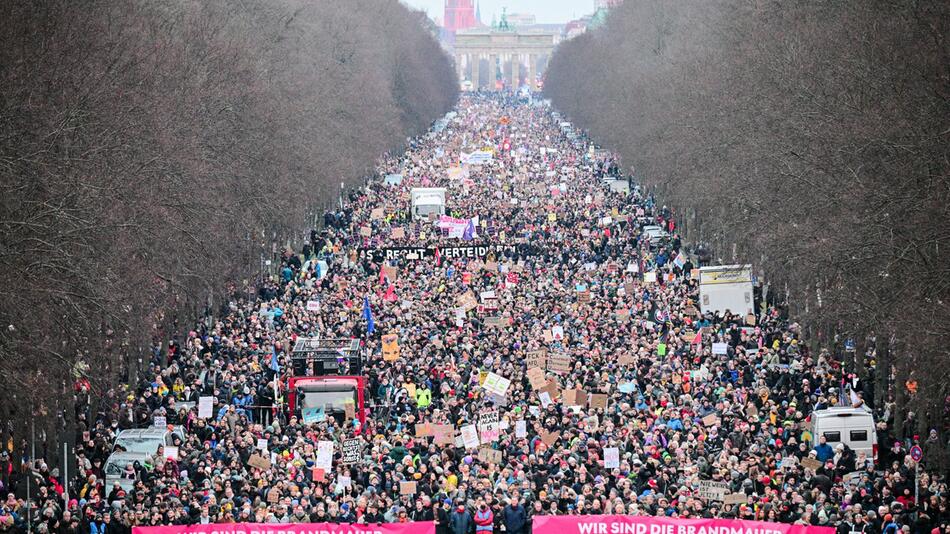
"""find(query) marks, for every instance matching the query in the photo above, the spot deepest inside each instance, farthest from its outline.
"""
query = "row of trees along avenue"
(809, 138)
(152, 150)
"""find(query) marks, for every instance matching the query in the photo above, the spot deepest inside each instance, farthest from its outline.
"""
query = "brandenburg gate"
(507, 52)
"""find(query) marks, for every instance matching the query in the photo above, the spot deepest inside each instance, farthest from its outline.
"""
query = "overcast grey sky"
(546, 11)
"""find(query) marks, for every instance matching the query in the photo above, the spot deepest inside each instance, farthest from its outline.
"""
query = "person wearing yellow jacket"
(423, 397)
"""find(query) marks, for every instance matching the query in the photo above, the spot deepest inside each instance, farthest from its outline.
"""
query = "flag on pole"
(274, 364)
(368, 315)
(469, 233)
(382, 274)
(698, 340)
(438, 257)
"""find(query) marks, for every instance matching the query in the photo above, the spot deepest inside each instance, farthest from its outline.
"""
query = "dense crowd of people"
(577, 288)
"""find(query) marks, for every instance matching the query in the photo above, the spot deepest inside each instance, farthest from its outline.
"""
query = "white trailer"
(726, 287)
(426, 200)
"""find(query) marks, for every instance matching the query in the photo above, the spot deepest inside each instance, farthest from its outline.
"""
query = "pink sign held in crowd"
(418, 527)
(628, 524)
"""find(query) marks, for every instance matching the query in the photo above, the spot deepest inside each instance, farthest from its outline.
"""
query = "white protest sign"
(521, 429)
(470, 437)
(545, 398)
(205, 407)
(325, 455)
(262, 444)
(171, 453)
(488, 426)
(612, 458)
(160, 421)
(720, 348)
(496, 384)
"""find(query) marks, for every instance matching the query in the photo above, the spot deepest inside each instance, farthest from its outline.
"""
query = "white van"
(852, 426)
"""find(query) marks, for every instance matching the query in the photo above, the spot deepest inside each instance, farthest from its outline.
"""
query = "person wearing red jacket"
(484, 518)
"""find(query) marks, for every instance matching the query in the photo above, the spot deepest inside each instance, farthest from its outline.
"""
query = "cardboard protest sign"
(598, 401)
(407, 487)
(735, 498)
(551, 389)
(366, 231)
(549, 437)
(711, 420)
(811, 463)
(536, 378)
(559, 362)
(399, 233)
(258, 461)
(467, 301)
(377, 214)
(349, 409)
(444, 434)
(712, 490)
(626, 359)
(390, 272)
(548, 336)
(489, 455)
(351, 451)
(536, 358)
(424, 430)
(575, 397)
(390, 347)
(494, 321)
(611, 458)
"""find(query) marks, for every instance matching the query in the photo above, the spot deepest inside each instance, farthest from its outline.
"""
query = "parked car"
(116, 469)
(146, 440)
(655, 234)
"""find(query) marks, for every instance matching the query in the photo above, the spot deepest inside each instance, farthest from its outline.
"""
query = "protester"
(565, 276)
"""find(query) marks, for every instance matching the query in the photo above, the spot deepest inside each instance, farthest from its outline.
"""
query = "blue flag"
(274, 364)
(368, 315)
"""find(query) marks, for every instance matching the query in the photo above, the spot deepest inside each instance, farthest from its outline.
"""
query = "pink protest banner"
(418, 527)
(628, 524)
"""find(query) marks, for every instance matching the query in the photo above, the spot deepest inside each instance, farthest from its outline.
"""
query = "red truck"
(325, 379)
(329, 394)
